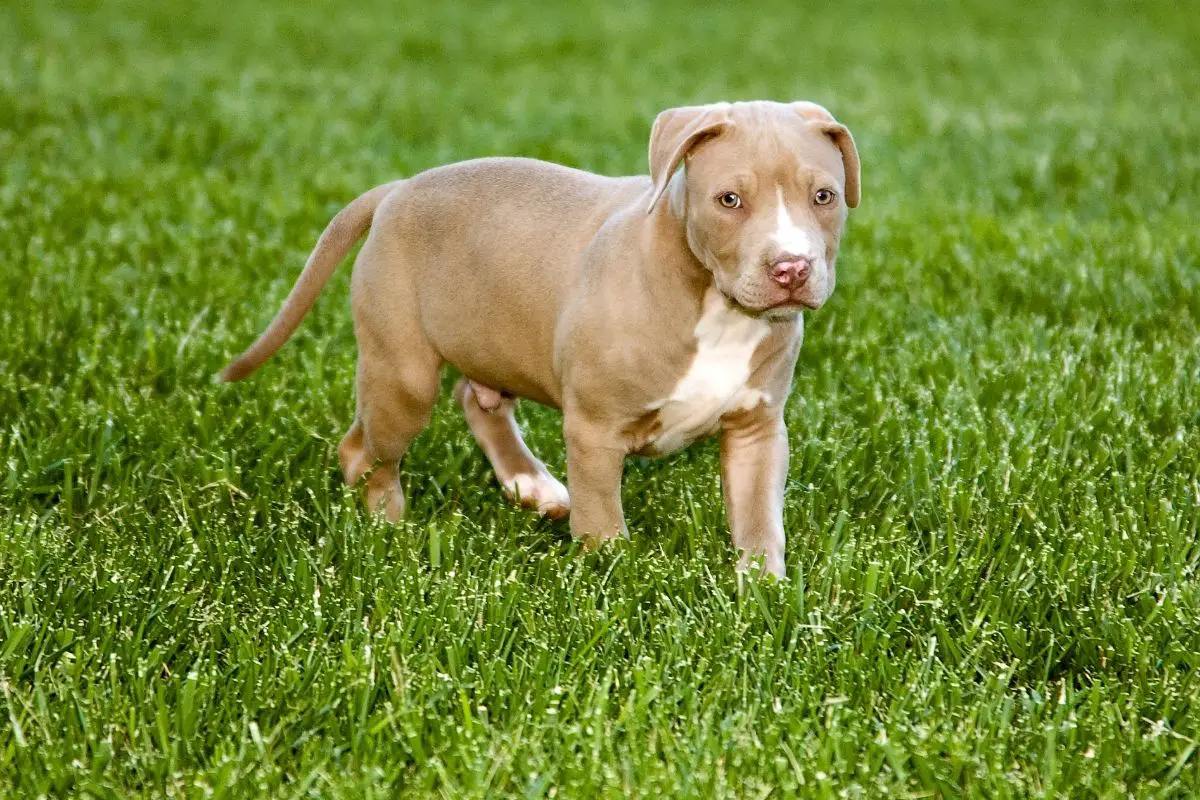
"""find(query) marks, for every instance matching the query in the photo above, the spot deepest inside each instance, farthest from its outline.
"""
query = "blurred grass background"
(994, 492)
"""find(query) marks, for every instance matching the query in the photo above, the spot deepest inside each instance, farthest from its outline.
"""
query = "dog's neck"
(674, 269)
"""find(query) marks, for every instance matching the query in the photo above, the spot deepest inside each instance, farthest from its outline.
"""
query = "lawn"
(994, 490)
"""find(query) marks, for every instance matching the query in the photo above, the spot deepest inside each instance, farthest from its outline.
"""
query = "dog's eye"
(730, 200)
(823, 197)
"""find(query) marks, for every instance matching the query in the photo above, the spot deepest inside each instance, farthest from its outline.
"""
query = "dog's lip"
(811, 306)
(793, 301)
(789, 302)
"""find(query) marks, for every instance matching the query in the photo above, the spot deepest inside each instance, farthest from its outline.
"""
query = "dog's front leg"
(595, 462)
(754, 463)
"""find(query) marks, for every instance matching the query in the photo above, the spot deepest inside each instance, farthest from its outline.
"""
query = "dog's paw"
(541, 491)
(386, 500)
(762, 564)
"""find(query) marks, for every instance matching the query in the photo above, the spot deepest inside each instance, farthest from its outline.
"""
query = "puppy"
(652, 310)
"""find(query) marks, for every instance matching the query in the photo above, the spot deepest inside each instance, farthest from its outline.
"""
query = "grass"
(995, 482)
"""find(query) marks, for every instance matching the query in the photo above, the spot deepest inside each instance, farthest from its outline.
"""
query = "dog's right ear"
(676, 131)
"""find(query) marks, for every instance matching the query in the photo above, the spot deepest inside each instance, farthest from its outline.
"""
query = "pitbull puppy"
(652, 311)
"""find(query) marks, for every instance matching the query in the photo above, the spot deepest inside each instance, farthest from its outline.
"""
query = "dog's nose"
(790, 270)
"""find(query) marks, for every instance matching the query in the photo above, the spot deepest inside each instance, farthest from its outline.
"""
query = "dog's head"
(763, 193)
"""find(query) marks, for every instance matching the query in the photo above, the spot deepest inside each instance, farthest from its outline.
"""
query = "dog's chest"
(715, 382)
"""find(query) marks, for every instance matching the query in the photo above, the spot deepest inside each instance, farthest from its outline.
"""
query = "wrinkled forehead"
(773, 146)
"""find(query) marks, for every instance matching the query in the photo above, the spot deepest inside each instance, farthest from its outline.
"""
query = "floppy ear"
(840, 134)
(676, 131)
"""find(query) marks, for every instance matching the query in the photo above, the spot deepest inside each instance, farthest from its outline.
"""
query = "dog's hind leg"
(397, 385)
(523, 477)
(395, 403)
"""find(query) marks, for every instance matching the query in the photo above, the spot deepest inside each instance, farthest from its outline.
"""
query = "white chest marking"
(715, 382)
(790, 237)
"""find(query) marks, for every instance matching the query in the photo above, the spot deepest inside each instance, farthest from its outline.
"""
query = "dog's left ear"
(676, 131)
(840, 134)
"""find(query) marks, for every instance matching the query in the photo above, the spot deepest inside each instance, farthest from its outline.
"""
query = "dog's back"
(507, 234)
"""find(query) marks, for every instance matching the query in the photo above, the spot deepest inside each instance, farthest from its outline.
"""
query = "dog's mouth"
(794, 302)
(758, 298)
(784, 308)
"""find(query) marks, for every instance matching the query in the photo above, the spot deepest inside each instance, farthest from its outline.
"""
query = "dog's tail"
(342, 232)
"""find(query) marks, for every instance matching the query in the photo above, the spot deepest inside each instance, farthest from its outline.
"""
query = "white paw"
(541, 491)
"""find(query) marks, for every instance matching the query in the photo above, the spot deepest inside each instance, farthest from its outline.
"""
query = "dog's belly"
(504, 351)
(508, 380)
